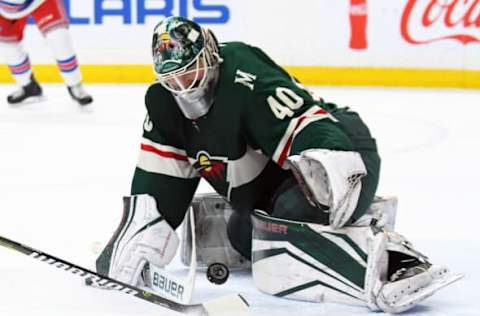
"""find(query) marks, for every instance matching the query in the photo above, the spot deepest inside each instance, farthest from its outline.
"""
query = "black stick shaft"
(84, 273)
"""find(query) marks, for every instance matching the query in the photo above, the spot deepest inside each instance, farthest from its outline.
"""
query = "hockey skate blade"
(226, 305)
(415, 298)
(29, 101)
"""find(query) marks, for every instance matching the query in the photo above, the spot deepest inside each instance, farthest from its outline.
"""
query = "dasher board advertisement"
(365, 42)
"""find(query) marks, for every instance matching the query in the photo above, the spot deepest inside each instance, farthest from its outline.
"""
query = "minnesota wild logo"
(214, 170)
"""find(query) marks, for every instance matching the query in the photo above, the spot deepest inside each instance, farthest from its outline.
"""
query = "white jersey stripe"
(245, 169)
(166, 160)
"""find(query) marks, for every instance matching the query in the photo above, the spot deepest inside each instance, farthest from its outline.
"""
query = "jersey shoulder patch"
(245, 78)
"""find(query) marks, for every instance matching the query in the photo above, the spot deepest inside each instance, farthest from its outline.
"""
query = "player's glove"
(330, 180)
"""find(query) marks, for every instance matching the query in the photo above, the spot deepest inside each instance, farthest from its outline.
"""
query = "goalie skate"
(413, 286)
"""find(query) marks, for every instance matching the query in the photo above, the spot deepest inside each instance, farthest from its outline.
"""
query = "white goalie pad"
(212, 213)
(142, 237)
(316, 263)
(310, 262)
(168, 285)
(331, 180)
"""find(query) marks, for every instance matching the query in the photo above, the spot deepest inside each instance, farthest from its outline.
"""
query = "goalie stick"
(222, 305)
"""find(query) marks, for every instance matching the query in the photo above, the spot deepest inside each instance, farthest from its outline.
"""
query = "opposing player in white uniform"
(52, 21)
(299, 172)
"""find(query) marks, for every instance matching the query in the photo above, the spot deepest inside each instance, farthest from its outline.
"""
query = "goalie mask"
(186, 62)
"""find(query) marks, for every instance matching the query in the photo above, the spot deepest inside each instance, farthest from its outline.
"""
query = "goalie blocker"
(359, 265)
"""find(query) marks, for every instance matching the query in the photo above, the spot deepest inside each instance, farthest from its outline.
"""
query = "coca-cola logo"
(358, 24)
(427, 21)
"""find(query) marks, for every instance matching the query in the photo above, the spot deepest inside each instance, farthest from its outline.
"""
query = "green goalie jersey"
(260, 117)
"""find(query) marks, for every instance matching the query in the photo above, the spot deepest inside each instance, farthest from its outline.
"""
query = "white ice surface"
(63, 171)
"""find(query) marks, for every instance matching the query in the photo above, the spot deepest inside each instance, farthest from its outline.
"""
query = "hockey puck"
(88, 282)
(217, 273)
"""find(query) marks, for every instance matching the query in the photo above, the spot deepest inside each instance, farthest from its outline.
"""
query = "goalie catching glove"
(142, 237)
(331, 180)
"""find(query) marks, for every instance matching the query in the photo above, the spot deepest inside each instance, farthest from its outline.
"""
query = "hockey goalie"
(299, 175)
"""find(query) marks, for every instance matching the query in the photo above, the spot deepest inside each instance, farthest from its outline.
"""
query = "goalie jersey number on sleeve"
(284, 102)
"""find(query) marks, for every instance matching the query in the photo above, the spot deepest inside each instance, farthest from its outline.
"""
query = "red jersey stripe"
(162, 153)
